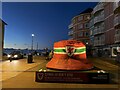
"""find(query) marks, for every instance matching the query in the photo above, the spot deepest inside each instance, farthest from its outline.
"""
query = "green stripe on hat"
(59, 50)
(80, 50)
(63, 51)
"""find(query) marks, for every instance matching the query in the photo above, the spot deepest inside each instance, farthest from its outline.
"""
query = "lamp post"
(32, 41)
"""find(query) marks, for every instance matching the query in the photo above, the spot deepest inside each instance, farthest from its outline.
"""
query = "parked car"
(15, 55)
(4, 54)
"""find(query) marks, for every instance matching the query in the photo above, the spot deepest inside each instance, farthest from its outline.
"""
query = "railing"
(116, 20)
(98, 7)
(99, 42)
(116, 5)
(70, 26)
(70, 33)
(117, 37)
(99, 18)
(99, 30)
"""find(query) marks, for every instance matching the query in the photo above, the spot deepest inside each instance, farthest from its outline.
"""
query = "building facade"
(79, 29)
(106, 28)
(99, 28)
(91, 28)
(2, 28)
(116, 9)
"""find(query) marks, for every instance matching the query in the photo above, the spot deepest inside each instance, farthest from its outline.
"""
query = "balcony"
(70, 26)
(117, 22)
(70, 33)
(99, 30)
(117, 36)
(98, 19)
(98, 8)
(99, 42)
(116, 7)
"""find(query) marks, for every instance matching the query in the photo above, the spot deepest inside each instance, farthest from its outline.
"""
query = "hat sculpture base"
(94, 76)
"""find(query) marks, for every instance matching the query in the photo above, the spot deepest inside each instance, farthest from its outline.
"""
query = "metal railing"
(117, 36)
(99, 42)
(98, 7)
(99, 18)
(116, 5)
(99, 30)
(116, 20)
(70, 33)
(70, 26)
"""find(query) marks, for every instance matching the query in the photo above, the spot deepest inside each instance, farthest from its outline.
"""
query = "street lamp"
(86, 43)
(32, 41)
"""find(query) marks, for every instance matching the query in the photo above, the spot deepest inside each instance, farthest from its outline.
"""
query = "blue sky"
(47, 20)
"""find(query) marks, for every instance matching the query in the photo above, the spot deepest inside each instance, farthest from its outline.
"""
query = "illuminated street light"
(86, 43)
(33, 35)
(32, 41)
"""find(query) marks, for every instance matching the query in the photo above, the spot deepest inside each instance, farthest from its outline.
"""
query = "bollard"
(30, 58)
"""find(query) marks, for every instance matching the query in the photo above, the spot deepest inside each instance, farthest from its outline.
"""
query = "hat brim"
(69, 64)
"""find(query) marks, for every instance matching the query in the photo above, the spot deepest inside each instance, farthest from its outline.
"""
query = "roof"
(3, 21)
(89, 10)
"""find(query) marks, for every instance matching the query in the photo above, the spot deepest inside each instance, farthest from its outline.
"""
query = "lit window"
(88, 17)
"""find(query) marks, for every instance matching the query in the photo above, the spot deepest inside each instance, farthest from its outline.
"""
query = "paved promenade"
(20, 74)
(14, 68)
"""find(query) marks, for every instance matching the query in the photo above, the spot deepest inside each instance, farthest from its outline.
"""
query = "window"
(80, 34)
(86, 34)
(98, 38)
(73, 21)
(80, 18)
(74, 28)
(86, 25)
(88, 17)
(91, 33)
(80, 26)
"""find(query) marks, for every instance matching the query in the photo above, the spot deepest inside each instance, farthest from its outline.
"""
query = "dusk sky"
(48, 21)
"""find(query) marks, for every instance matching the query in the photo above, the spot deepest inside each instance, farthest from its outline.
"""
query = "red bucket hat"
(69, 55)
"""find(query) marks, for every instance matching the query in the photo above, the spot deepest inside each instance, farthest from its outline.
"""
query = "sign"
(118, 49)
(114, 51)
(72, 77)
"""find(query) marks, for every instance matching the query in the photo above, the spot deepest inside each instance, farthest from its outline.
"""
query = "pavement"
(20, 74)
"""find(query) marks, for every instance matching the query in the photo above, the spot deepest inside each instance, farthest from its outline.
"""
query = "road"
(20, 74)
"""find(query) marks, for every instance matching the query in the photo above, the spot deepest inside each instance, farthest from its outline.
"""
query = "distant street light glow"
(33, 35)
(86, 42)
(32, 42)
